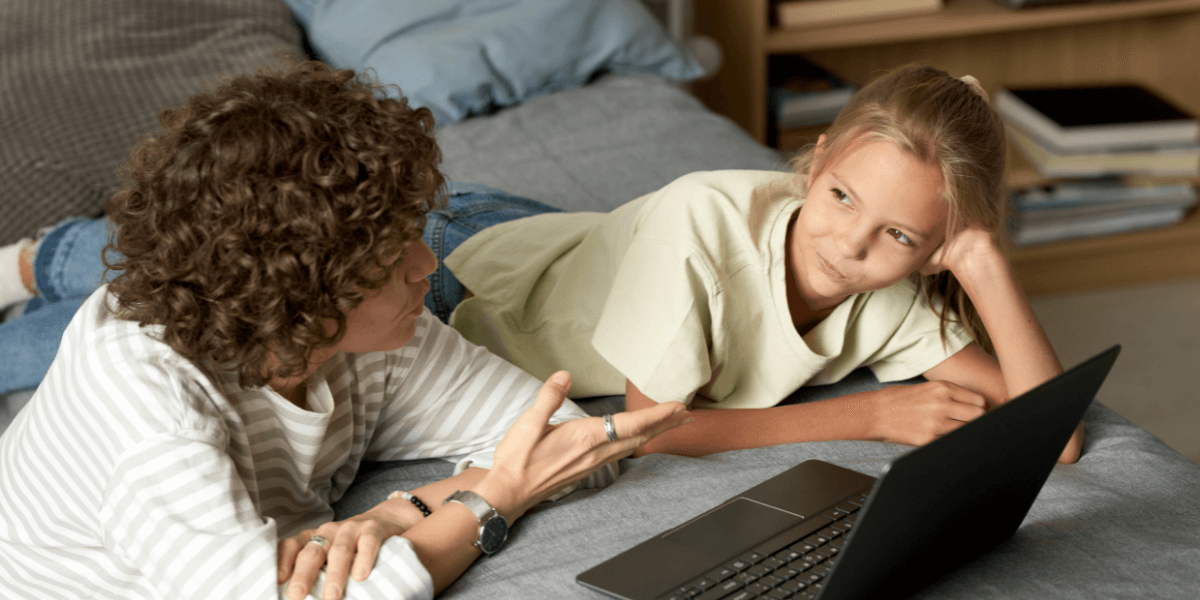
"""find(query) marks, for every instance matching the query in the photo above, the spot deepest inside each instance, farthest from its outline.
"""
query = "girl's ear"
(815, 165)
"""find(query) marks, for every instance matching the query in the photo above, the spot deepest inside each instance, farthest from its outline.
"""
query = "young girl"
(265, 335)
(730, 290)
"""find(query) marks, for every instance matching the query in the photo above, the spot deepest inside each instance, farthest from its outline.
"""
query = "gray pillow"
(80, 80)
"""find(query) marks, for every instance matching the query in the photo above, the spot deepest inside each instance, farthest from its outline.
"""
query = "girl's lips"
(828, 268)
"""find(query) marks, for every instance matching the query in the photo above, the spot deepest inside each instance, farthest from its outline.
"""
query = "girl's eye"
(840, 196)
(900, 237)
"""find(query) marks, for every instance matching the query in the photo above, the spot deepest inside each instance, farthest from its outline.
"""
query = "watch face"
(492, 534)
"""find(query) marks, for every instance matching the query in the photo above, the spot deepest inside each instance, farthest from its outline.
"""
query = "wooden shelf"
(963, 17)
(1133, 258)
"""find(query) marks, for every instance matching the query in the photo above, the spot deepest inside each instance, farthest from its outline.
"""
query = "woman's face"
(386, 318)
(872, 217)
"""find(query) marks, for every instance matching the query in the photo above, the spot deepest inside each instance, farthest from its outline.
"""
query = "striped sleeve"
(177, 511)
(389, 579)
(449, 398)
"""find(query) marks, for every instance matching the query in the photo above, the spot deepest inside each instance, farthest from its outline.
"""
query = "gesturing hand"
(536, 459)
(918, 414)
(355, 540)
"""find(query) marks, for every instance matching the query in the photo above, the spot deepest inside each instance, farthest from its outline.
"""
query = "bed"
(1124, 522)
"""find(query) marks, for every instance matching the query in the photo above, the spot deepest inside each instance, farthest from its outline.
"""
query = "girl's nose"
(853, 241)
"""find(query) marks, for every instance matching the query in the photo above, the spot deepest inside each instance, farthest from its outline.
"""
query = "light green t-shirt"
(681, 291)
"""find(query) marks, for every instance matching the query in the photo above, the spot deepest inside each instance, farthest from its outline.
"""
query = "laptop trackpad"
(730, 527)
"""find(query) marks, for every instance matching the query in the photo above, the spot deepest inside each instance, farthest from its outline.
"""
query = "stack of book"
(803, 100)
(1099, 139)
(1072, 210)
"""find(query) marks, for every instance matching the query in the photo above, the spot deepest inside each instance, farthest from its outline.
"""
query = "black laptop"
(818, 530)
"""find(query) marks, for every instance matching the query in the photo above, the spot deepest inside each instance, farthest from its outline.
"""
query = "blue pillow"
(465, 57)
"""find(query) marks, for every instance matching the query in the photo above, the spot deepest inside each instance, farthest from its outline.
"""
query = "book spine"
(1083, 194)
(1025, 235)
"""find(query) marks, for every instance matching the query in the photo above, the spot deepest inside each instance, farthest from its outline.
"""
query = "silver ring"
(609, 429)
(320, 541)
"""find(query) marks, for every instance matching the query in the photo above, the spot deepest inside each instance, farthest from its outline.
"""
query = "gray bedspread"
(1123, 522)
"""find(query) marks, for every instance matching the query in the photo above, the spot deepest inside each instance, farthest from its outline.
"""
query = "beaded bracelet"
(411, 498)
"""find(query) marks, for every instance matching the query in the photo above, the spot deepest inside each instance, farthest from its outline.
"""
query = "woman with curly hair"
(264, 334)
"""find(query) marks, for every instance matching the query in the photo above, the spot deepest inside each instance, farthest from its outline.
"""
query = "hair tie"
(975, 87)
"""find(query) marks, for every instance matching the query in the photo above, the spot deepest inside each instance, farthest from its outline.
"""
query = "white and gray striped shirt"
(133, 474)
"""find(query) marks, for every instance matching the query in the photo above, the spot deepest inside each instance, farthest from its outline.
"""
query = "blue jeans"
(68, 267)
(471, 209)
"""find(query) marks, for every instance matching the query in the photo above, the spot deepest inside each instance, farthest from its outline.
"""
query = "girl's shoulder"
(717, 199)
(732, 188)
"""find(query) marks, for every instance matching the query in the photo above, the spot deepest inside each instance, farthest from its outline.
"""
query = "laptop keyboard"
(791, 565)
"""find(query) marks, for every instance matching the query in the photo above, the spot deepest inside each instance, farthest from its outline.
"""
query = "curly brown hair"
(252, 220)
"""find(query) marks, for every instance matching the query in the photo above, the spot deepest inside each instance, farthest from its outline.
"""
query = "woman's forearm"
(406, 513)
(445, 543)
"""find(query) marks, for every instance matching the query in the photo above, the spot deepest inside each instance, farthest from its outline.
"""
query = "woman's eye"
(840, 196)
(900, 237)
(398, 262)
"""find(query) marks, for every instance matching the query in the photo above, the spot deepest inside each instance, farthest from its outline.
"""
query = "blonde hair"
(945, 122)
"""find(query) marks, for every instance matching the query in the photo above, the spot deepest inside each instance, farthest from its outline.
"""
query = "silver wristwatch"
(493, 528)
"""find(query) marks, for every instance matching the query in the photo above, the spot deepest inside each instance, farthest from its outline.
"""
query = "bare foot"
(25, 267)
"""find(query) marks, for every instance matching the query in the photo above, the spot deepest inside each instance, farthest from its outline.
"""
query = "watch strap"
(493, 527)
(474, 503)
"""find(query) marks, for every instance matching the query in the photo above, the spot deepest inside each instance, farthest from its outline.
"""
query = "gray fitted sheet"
(600, 146)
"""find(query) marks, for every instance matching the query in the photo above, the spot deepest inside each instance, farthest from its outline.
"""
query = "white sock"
(12, 290)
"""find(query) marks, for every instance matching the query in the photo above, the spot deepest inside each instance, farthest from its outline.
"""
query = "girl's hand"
(962, 250)
(918, 414)
(355, 540)
(536, 459)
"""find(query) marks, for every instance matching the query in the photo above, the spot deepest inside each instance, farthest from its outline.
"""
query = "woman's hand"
(536, 459)
(355, 540)
(920, 413)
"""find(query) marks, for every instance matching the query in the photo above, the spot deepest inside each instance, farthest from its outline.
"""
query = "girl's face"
(386, 319)
(872, 217)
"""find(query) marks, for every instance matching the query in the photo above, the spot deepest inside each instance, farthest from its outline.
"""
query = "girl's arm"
(1026, 358)
(909, 414)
